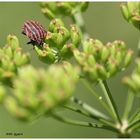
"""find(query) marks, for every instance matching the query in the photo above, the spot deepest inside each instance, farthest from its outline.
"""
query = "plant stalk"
(128, 106)
(78, 19)
(102, 102)
(111, 103)
(95, 114)
(81, 123)
(139, 47)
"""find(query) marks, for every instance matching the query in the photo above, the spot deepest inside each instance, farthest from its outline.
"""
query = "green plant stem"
(97, 97)
(134, 125)
(95, 114)
(78, 111)
(107, 93)
(135, 116)
(128, 106)
(78, 20)
(80, 123)
(139, 47)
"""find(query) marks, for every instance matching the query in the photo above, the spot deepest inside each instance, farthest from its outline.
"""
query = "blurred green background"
(103, 21)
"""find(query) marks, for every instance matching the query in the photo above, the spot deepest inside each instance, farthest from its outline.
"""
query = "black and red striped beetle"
(34, 31)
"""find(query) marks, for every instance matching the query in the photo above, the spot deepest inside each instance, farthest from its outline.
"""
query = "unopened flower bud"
(45, 56)
(67, 51)
(13, 41)
(128, 57)
(54, 24)
(13, 107)
(75, 35)
(48, 13)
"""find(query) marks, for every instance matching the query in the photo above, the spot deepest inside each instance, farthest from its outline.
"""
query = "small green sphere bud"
(13, 41)
(128, 57)
(54, 24)
(48, 13)
(46, 56)
(67, 51)
(75, 35)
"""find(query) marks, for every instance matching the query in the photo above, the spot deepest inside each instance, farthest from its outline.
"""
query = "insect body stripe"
(38, 30)
(32, 31)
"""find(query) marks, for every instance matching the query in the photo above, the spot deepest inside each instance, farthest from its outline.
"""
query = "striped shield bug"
(34, 31)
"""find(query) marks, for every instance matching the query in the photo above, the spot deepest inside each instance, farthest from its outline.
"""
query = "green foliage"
(131, 12)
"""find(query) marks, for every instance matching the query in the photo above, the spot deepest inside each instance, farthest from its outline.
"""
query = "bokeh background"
(103, 21)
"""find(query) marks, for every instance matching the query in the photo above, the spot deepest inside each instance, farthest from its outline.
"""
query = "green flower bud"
(91, 60)
(67, 51)
(17, 111)
(130, 83)
(75, 35)
(79, 56)
(133, 81)
(48, 13)
(112, 66)
(20, 58)
(13, 41)
(7, 64)
(54, 24)
(136, 21)
(45, 56)
(64, 8)
(101, 71)
(125, 11)
(50, 5)
(7, 50)
(58, 38)
(131, 13)
(90, 73)
(92, 46)
(104, 54)
(128, 57)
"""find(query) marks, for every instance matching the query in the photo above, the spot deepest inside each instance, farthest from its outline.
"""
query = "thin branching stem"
(128, 106)
(78, 19)
(134, 125)
(99, 98)
(135, 115)
(81, 123)
(110, 100)
(77, 110)
(95, 114)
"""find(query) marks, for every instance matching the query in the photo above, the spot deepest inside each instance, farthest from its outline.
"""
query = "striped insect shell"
(34, 31)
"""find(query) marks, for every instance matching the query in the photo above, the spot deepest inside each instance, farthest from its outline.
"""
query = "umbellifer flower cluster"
(39, 91)
(11, 58)
(131, 12)
(133, 81)
(98, 61)
(53, 9)
(59, 42)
